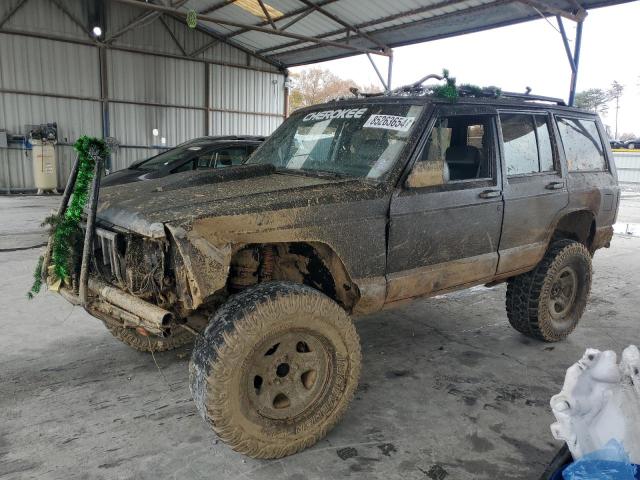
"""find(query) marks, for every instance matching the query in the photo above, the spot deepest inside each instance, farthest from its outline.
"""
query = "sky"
(527, 55)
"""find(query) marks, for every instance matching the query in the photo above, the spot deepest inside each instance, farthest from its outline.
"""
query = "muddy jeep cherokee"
(348, 208)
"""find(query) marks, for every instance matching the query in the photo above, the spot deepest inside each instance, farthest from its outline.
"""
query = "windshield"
(360, 141)
(175, 155)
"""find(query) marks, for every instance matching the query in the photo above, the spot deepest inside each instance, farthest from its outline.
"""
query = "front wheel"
(631, 146)
(547, 302)
(276, 368)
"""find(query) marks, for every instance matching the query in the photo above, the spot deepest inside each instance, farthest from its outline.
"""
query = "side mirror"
(425, 174)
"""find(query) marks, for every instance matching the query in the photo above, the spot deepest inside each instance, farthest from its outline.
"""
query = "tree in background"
(627, 136)
(594, 99)
(317, 85)
(615, 92)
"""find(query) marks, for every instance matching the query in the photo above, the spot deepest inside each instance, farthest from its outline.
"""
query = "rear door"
(445, 226)
(535, 187)
(591, 176)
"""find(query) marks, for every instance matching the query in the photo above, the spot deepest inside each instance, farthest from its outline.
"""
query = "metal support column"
(390, 70)
(104, 99)
(375, 67)
(574, 58)
(207, 100)
(285, 108)
(576, 61)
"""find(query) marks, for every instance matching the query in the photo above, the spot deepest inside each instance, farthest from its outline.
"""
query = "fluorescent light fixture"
(163, 140)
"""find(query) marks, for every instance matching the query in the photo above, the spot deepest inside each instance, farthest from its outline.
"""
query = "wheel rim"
(287, 374)
(564, 289)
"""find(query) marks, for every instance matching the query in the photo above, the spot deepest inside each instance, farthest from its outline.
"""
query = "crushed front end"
(131, 281)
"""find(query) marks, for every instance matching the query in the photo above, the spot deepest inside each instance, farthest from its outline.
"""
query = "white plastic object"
(600, 401)
(45, 168)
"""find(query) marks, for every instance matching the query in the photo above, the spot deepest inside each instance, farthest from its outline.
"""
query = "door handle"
(554, 185)
(490, 194)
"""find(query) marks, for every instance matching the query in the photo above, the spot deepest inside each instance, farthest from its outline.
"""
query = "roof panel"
(392, 23)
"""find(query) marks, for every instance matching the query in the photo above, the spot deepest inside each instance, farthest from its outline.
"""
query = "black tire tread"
(524, 291)
(229, 326)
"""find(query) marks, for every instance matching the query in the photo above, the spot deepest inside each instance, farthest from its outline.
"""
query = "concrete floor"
(448, 389)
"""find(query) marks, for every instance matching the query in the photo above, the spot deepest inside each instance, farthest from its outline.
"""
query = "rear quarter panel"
(596, 191)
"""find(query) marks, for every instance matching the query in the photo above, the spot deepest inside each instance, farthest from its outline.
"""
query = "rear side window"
(582, 144)
(527, 143)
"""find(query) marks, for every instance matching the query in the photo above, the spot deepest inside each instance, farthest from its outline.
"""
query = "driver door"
(446, 218)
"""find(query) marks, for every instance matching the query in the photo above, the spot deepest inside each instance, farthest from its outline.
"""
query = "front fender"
(201, 268)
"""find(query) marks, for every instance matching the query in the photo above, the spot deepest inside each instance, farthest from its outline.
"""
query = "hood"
(144, 207)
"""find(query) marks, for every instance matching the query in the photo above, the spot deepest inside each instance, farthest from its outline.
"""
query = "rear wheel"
(631, 146)
(275, 369)
(547, 302)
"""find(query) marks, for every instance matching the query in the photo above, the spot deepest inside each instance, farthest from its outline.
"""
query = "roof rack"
(533, 98)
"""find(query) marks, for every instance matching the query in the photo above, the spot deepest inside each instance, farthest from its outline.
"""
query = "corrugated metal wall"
(628, 166)
(44, 80)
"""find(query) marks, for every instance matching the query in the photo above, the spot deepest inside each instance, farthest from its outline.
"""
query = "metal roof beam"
(339, 21)
(205, 47)
(140, 20)
(220, 21)
(375, 67)
(172, 35)
(565, 42)
(215, 7)
(218, 38)
(303, 12)
(267, 14)
(12, 12)
(72, 17)
(371, 23)
(174, 12)
(297, 19)
(542, 6)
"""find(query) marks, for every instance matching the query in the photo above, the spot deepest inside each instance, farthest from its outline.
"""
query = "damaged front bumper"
(120, 308)
(149, 283)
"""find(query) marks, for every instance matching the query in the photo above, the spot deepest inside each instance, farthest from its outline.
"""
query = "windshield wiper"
(310, 172)
(324, 173)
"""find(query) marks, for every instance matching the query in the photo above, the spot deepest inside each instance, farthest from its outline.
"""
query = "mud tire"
(230, 350)
(178, 338)
(529, 294)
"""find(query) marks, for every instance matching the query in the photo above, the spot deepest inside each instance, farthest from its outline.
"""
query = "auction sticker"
(389, 122)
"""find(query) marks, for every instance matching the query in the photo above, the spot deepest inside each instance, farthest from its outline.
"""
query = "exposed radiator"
(110, 258)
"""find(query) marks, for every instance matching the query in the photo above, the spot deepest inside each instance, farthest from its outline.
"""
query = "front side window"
(459, 148)
(526, 143)
(582, 144)
(361, 141)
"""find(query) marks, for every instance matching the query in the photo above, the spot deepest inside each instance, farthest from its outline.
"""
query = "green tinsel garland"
(37, 279)
(448, 90)
(65, 230)
(452, 92)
